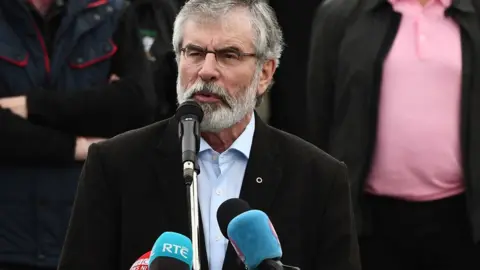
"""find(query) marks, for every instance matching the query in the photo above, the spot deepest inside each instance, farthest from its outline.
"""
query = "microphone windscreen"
(166, 263)
(141, 263)
(228, 210)
(189, 108)
(254, 238)
(171, 251)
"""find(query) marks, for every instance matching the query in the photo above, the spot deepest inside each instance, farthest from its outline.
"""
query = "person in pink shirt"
(392, 92)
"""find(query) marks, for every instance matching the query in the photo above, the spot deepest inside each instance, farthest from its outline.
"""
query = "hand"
(114, 78)
(82, 145)
(18, 105)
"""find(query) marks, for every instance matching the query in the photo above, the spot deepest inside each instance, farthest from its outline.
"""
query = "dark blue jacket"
(68, 95)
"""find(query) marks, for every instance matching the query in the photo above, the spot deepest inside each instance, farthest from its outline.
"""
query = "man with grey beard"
(132, 189)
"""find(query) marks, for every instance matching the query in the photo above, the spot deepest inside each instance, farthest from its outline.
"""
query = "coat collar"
(77, 5)
(263, 175)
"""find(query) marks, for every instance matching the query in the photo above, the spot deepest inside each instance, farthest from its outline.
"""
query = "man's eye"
(230, 55)
(194, 53)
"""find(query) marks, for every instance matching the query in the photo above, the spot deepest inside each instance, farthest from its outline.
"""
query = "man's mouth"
(207, 97)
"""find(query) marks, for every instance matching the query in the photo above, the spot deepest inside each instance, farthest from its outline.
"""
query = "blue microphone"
(171, 251)
(254, 238)
(252, 235)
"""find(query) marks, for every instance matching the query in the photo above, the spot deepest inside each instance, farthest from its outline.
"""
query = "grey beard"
(222, 116)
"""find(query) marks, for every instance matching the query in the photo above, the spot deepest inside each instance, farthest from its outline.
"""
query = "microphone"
(228, 210)
(189, 116)
(171, 251)
(252, 235)
(141, 263)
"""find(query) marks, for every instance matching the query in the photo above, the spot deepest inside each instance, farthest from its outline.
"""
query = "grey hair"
(268, 38)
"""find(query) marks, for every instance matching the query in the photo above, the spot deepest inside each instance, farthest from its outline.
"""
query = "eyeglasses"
(226, 57)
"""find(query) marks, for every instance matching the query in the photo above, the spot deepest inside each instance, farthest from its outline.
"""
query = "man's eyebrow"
(222, 49)
(193, 46)
(229, 48)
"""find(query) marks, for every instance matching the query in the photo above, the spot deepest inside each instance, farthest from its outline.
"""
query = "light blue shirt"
(220, 179)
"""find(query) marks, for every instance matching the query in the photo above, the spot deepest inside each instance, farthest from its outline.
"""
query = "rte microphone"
(252, 235)
(189, 116)
(171, 251)
(141, 263)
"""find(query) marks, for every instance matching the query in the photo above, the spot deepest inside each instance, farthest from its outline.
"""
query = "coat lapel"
(262, 178)
(465, 16)
(168, 170)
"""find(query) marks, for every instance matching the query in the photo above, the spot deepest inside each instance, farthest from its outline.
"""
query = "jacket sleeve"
(94, 222)
(337, 242)
(325, 40)
(23, 141)
(109, 109)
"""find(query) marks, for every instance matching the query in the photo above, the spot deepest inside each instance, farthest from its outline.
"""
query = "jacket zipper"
(46, 57)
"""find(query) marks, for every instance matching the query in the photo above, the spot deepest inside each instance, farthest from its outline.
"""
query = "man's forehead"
(233, 28)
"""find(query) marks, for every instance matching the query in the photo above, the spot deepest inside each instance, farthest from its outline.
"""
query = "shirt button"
(214, 157)
(218, 238)
(219, 191)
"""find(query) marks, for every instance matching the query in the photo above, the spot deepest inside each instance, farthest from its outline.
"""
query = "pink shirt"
(417, 154)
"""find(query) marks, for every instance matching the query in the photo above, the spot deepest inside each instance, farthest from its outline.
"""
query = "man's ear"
(266, 76)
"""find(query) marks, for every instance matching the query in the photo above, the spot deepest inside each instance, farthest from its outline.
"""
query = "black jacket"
(132, 190)
(156, 19)
(350, 39)
(287, 96)
(64, 74)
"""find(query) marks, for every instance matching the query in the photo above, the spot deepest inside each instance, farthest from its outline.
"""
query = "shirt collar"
(55, 6)
(242, 144)
(445, 3)
(53, 2)
(463, 5)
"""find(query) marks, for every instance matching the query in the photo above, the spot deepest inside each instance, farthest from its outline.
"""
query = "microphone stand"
(189, 131)
(189, 115)
(190, 174)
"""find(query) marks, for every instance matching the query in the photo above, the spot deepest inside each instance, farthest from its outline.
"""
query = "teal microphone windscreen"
(254, 238)
(171, 251)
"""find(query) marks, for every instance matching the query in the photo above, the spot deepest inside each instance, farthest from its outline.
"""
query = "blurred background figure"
(155, 19)
(71, 73)
(394, 92)
(285, 104)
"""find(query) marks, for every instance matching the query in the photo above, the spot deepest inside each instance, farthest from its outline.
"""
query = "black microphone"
(189, 116)
(252, 235)
(228, 210)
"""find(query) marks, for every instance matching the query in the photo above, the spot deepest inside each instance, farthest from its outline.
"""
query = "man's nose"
(209, 70)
